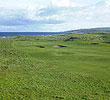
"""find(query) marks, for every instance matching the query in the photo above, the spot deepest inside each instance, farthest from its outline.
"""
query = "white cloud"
(66, 3)
(55, 15)
(107, 3)
(61, 3)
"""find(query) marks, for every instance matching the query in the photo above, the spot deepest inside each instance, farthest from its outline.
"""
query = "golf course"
(74, 66)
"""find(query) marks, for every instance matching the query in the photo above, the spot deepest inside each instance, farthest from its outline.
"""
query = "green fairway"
(80, 71)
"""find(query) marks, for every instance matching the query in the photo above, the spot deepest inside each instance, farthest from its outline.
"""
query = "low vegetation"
(78, 71)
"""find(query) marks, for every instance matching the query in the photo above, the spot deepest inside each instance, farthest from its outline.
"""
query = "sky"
(53, 15)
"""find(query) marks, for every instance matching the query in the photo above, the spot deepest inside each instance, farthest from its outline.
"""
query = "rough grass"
(80, 71)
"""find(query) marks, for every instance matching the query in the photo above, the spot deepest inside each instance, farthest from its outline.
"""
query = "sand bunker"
(107, 42)
(40, 47)
(59, 46)
(94, 43)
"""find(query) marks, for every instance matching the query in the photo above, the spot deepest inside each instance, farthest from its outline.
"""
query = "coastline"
(10, 34)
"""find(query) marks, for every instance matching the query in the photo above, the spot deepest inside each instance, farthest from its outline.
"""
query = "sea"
(9, 34)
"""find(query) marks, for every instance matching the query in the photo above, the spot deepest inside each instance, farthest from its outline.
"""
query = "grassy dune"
(80, 71)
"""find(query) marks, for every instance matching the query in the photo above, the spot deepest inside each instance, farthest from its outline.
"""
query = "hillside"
(103, 29)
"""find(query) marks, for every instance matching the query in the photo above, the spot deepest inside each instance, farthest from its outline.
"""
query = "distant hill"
(102, 29)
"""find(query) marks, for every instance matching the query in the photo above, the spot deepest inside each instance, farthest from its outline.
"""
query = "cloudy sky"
(53, 15)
